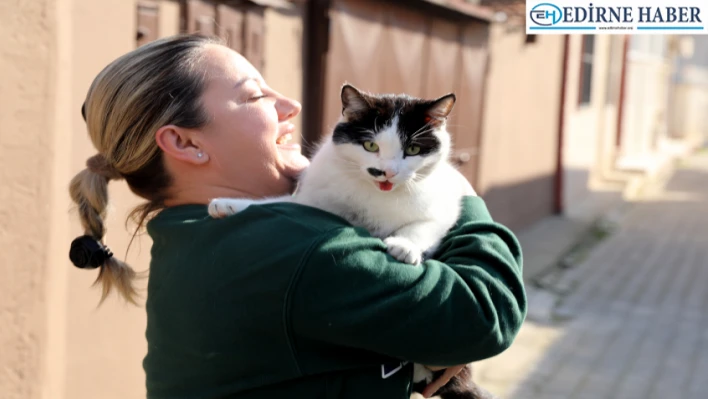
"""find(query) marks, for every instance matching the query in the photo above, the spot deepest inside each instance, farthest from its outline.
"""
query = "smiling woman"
(282, 300)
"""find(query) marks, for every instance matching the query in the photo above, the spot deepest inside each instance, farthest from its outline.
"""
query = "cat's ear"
(441, 108)
(354, 103)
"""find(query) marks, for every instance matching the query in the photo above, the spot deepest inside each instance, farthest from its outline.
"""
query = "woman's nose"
(287, 108)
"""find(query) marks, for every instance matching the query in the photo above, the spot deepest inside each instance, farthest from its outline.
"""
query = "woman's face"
(246, 138)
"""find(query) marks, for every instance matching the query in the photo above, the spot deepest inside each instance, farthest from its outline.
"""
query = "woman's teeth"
(284, 139)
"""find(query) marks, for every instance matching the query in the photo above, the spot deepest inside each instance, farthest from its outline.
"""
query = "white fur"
(422, 373)
(412, 218)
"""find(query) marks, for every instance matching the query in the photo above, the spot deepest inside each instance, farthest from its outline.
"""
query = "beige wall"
(105, 346)
(27, 96)
(283, 53)
(520, 75)
(56, 343)
(589, 129)
(689, 117)
(169, 14)
(520, 127)
(645, 119)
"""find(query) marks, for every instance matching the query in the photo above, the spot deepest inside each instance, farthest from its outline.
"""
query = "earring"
(200, 154)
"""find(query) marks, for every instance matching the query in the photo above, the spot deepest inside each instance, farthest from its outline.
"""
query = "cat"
(386, 168)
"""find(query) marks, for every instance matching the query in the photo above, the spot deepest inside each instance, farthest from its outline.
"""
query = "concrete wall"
(520, 128)
(27, 87)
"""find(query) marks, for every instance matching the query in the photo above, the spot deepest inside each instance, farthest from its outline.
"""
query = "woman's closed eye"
(257, 97)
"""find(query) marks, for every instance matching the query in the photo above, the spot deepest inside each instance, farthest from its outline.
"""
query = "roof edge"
(473, 10)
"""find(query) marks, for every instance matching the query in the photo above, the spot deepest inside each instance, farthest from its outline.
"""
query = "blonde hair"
(150, 87)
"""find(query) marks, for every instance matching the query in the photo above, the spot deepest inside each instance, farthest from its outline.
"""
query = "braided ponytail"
(157, 84)
(89, 190)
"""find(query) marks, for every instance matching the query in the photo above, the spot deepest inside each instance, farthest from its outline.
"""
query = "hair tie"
(88, 253)
(99, 164)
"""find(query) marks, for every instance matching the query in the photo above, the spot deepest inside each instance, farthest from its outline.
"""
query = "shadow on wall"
(519, 205)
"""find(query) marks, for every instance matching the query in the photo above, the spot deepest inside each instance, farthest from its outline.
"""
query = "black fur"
(375, 172)
(366, 114)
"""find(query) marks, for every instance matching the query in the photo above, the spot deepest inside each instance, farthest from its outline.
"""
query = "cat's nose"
(390, 173)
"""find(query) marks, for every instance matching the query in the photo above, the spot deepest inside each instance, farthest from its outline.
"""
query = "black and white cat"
(386, 168)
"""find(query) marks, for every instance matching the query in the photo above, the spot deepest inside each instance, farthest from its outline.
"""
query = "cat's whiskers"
(352, 168)
(418, 132)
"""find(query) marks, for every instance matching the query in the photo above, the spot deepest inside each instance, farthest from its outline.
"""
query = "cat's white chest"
(382, 213)
(388, 212)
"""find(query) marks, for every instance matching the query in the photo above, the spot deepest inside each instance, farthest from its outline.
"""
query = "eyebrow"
(244, 80)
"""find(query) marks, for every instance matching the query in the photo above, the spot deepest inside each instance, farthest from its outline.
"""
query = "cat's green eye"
(413, 150)
(371, 146)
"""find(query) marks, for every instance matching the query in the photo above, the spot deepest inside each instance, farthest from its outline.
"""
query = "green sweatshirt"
(287, 301)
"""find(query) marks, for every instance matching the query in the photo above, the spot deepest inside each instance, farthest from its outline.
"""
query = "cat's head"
(392, 140)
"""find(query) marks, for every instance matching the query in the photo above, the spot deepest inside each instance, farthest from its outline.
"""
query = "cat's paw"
(223, 207)
(404, 250)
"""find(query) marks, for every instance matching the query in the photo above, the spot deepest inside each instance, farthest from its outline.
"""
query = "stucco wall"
(283, 53)
(26, 152)
(520, 128)
(645, 119)
(589, 128)
(56, 343)
(689, 96)
(105, 346)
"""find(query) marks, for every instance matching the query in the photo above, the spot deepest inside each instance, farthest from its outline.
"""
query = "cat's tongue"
(385, 185)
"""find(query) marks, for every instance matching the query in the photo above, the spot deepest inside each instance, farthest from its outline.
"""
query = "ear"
(441, 108)
(181, 144)
(353, 102)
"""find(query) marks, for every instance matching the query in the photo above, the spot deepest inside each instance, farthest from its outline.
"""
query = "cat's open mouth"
(385, 185)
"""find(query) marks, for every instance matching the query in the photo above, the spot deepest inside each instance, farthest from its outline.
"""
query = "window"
(649, 44)
(588, 50)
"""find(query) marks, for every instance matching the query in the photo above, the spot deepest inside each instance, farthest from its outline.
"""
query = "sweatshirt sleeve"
(465, 305)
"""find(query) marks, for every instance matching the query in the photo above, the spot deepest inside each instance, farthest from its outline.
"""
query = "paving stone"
(635, 322)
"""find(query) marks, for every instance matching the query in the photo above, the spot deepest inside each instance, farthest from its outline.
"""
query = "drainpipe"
(620, 105)
(558, 186)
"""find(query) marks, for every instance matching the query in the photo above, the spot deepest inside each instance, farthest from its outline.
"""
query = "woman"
(279, 301)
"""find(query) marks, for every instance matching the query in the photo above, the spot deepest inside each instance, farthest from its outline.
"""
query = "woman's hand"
(440, 382)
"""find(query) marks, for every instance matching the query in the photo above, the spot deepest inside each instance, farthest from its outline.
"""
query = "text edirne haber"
(627, 15)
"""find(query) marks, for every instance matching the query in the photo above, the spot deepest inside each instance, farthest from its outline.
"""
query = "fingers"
(440, 382)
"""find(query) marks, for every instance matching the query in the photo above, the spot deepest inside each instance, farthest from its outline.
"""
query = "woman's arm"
(466, 305)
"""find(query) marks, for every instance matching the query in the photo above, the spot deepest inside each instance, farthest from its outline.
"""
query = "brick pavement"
(638, 317)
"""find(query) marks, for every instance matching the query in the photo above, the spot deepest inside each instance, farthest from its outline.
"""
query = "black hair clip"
(88, 253)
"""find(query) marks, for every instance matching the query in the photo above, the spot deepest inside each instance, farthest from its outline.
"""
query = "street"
(635, 324)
